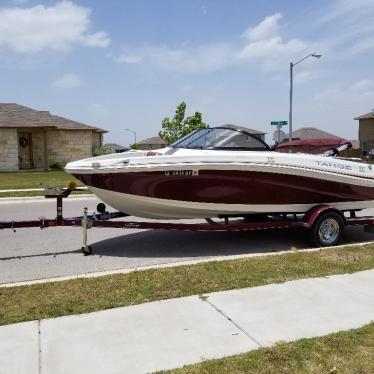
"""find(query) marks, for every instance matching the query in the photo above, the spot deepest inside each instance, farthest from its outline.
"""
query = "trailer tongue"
(324, 224)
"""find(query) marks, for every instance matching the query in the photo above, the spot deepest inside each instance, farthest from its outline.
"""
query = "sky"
(121, 64)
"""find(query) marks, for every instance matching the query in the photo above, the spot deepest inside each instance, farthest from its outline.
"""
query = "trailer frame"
(103, 219)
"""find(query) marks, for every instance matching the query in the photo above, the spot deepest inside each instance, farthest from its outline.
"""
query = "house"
(115, 148)
(256, 133)
(34, 139)
(366, 133)
(154, 142)
(307, 133)
(310, 133)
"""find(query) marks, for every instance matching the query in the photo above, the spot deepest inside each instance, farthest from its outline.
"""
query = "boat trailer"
(324, 223)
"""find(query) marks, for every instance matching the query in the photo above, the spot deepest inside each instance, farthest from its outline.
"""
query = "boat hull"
(170, 194)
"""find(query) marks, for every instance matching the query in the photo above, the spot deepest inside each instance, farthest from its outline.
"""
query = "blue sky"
(127, 64)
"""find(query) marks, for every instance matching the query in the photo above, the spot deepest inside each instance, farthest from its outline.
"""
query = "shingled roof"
(16, 116)
(154, 140)
(247, 129)
(312, 133)
(369, 115)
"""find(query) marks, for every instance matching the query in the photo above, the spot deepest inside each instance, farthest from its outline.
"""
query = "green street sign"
(279, 123)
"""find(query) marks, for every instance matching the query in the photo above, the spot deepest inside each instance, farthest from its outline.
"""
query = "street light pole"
(316, 55)
(134, 132)
(290, 113)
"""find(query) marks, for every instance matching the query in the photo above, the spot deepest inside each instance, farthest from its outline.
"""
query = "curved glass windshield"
(221, 138)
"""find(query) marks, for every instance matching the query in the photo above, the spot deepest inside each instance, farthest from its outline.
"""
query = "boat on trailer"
(224, 171)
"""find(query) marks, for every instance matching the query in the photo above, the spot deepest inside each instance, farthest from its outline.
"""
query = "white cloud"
(186, 59)
(263, 45)
(264, 42)
(304, 76)
(201, 59)
(344, 93)
(57, 27)
(98, 39)
(67, 81)
(354, 21)
(127, 59)
(268, 28)
(272, 48)
(348, 8)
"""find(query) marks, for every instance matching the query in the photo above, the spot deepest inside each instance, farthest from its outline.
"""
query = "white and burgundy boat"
(224, 171)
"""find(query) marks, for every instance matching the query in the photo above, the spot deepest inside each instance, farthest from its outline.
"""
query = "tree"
(178, 127)
(102, 150)
(134, 146)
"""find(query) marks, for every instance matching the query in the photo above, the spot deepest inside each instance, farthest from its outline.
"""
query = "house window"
(368, 149)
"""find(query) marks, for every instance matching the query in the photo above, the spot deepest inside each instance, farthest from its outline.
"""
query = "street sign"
(279, 123)
(279, 136)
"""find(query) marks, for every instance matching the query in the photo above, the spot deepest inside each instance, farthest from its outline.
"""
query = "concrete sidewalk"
(172, 333)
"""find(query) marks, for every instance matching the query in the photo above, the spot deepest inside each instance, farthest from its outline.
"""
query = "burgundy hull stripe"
(230, 187)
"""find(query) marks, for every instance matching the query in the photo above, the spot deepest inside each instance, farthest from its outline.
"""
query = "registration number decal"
(184, 173)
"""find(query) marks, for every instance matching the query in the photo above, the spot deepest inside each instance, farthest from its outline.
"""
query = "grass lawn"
(36, 193)
(348, 352)
(76, 296)
(34, 179)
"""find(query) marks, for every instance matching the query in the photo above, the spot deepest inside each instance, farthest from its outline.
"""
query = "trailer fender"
(314, 213)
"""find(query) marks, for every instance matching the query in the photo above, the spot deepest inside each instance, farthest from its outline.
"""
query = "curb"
(173, 264)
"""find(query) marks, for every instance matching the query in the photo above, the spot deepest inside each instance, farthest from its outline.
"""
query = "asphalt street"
(31, 254)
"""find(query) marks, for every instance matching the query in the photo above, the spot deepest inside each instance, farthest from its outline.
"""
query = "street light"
(134, 132)
(292, 64)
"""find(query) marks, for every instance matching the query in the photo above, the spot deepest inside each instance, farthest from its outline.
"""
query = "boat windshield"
(221, 138)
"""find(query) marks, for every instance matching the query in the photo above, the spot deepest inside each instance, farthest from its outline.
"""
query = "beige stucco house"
(33, 139)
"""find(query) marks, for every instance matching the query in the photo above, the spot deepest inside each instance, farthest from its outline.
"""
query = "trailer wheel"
(327, 230)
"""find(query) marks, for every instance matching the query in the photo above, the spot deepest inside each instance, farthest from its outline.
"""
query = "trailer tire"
(328, 229)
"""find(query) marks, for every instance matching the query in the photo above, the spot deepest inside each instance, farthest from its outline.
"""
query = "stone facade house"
(33, 139)
(366, 133)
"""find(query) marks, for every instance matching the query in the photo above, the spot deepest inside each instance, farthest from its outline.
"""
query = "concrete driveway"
(31, 254)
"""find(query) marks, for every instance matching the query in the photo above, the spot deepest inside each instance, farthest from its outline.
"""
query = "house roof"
(251, 131)
(369, 115)
(15, 115)
(114, 147)
(153, 140)
(311, 133)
